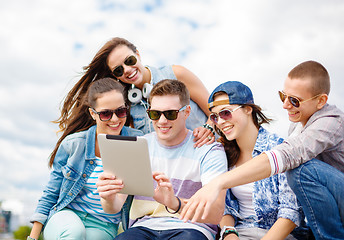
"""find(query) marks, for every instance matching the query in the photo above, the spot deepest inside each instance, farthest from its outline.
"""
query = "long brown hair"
(74, 115)
(97, 69)
(82, 120)
(231, 147)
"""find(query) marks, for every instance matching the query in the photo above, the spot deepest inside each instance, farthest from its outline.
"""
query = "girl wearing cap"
(120, 59)
(265, 209)
(70, 207)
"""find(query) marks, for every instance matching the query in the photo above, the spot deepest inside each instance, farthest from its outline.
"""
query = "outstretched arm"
(199, 205)
(108, 187)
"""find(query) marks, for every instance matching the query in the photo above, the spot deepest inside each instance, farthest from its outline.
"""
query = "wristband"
(229, 231)
(207, 126)
(30, 238)
(179, 206)
(226, 230)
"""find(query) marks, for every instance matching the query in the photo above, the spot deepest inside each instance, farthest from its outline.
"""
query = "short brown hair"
(316, 72)
(171, 87)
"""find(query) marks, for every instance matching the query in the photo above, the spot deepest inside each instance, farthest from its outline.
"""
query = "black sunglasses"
(225, 114)
(295, 101)
(169, 114)
(106, 115)
(129, 61)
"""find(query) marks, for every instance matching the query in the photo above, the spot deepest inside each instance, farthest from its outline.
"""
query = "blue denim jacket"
(138, 111)
(272, 197)
(73, 164)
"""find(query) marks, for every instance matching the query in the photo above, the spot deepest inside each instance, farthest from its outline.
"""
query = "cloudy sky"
(45, 44)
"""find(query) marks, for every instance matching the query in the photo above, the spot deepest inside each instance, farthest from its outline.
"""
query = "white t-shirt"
(244, 195)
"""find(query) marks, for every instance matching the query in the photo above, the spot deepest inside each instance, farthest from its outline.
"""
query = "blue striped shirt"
(88, 200)
(188, 169)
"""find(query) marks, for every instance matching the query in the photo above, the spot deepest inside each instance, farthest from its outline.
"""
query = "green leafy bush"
(22, 232)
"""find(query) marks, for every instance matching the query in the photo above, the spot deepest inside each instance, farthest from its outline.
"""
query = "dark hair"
(231, 147)
(171, 87)
(316, 72)
(99, 87)
(80, 121)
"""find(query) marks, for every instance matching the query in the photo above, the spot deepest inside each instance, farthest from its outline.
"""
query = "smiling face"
(109, 101)
(132, 74)
(300, 88)
(169, 132)
(234, 127)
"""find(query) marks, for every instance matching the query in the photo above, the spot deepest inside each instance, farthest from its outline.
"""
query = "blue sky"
(45, 44)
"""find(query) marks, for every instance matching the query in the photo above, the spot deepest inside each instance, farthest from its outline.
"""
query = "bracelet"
(226, 230)
(179, 206)
(207, 126)
(30, 238)
(229, 231)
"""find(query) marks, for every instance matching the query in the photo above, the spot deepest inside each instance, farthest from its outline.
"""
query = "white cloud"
(24, 173)
(258, 43)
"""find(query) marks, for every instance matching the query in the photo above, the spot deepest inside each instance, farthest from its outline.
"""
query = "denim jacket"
(138, 111)
(73, 164)
(272, 197)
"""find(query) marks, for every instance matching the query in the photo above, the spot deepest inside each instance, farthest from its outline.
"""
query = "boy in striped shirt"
(179, 170)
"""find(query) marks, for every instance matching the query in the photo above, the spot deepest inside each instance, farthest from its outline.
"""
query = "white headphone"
(147, 88)
(135, 95)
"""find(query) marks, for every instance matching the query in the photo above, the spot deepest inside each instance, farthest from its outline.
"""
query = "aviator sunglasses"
(106, 115)
(129, 61)
(225, 114)
(296, 102)
(169, 114)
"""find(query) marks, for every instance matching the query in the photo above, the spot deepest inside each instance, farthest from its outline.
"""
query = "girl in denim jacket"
(265, 209)
(70, 206)
(120, 59)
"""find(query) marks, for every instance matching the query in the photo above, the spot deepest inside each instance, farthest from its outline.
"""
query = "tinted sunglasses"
(225, 114)
(129, 61)
(106, 115)
(169, 114)
(296, 102)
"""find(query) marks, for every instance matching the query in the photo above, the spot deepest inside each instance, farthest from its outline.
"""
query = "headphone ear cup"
(147, 88)
(134, 95)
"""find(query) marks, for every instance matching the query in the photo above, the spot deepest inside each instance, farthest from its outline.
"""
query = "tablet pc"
(128, 159)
